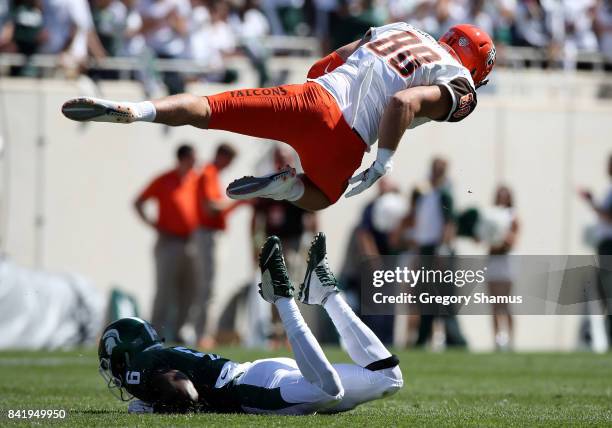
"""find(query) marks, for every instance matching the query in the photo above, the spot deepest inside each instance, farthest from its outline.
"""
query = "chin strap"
(483, 83)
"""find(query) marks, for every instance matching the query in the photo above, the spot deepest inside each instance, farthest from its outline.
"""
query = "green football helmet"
(120, 342)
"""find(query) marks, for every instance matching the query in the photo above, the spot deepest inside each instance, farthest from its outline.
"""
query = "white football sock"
(363, 346)
(293, 192)
(311, 360)
(144, 111)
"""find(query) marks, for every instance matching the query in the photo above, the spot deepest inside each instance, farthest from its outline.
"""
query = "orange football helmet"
(473, 48)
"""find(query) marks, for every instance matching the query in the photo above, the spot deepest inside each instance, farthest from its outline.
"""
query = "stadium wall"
(67, 188)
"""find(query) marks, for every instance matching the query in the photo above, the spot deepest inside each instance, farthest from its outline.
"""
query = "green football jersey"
(202, 369)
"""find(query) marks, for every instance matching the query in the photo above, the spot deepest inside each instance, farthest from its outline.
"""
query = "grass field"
(454, 388)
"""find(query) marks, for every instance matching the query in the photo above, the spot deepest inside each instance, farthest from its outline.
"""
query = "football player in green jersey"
(178, 379)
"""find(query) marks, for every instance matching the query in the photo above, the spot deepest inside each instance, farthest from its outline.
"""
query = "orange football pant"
(304, 116)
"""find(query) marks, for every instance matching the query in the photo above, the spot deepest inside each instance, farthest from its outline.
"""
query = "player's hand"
(366, 178)
(139, 406)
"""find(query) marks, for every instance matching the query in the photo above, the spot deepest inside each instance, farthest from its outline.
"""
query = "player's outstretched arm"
(422, 101)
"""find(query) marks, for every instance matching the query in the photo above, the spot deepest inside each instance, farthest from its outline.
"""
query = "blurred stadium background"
(542, 127)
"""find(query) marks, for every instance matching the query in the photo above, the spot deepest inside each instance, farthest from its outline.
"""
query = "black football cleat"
(319, 281)
(275, 281)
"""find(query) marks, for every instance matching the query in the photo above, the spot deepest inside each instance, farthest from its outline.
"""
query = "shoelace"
(325, 274)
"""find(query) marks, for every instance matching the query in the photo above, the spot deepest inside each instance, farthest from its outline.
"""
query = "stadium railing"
(287, 47)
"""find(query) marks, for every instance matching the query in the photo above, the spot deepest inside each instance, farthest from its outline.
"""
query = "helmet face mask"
(113, 383)
(120, 341)
(473, 48)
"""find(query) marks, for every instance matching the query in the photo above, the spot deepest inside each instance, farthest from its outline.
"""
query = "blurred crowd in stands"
(208, 31)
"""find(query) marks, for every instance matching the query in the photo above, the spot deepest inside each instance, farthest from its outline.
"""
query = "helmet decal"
(463, 41)
(110, 338)
(491, 57)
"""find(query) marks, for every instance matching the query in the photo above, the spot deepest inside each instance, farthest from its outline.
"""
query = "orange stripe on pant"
(304, 116)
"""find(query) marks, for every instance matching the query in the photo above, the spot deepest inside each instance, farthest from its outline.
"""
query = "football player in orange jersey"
(395, 78)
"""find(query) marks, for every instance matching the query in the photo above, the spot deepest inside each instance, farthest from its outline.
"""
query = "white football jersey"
(395, 57)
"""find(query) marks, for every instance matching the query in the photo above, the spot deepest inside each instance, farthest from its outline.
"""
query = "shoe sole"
(245, 187)
(86, 109)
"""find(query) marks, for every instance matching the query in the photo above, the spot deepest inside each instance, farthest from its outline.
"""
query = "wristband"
(383, 158)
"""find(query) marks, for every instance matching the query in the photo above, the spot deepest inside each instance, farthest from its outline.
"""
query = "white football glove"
(139, 406)
(381, 166)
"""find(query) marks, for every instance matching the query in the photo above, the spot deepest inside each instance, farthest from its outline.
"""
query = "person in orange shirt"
(177, 219)
(213, 209)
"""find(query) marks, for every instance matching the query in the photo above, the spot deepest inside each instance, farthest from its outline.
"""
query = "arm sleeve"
(325, 65)
(464, 98)
(206, 188)
(150, 191)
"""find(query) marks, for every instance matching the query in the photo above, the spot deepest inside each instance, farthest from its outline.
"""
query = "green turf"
(454, 388)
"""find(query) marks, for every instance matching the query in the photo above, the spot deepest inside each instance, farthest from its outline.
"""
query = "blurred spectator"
(321, 21)
(213, 210)
(351, 20)
(499, 273)
(503, 18)
(563, 27)
(403, 242)
(532, 25)
(286, 16)
(210, 31)
(288, 222)
(201, 47)
(603, 27)
(603, 240)
(71, 34)
(165, 26)
(134, 42)
(420, 13)
(577, 29)
(222, 36)
(434, 231)
(110, 20)
(251, 25)
(479, 16)
(450, 12)
(212, 39)
(367, 245)
(283, 219)
(23, 32)
(174, 255)
(434, 225)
